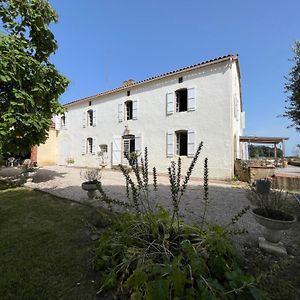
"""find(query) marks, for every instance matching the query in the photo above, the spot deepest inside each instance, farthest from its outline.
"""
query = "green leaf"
(137, 279)
(158, 289)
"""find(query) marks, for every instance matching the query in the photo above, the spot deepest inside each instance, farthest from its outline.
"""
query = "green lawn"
(45, 250)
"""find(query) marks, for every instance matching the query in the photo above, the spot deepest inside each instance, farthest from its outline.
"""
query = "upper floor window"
(63, 121)
(128, 110)
(181, 100)
(89, 118)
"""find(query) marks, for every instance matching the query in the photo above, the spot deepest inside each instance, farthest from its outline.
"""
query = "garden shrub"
(150, 253)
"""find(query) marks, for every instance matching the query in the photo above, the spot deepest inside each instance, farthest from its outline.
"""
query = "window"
(129, 110)
(90, 103)
(103, 148)
(181, 100)
(180, 79)
(90, 116)
(129, 144)
(128, 93)
(182, 142)
(63, 121)
(89, 145)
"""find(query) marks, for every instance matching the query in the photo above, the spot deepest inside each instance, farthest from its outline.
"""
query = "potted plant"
(270, 210)
(92, 177)
(70, 162)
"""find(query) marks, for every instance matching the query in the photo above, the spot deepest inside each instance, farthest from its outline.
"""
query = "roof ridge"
(155, 77)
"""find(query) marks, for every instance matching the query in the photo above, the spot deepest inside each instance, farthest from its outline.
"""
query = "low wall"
(247, 173)
(286, 183)
(261, 172)
(294, 163)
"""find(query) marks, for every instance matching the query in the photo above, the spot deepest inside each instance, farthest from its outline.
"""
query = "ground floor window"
(129, 145)
(103, 148)
(182, 142)
(89, 145)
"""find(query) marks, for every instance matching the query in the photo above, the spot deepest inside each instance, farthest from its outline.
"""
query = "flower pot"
(273, 226)
(90, 187)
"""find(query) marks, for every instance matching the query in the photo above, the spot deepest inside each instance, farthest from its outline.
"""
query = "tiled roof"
(202, 64)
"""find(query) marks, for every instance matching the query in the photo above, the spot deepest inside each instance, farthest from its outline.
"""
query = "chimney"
(128, 82)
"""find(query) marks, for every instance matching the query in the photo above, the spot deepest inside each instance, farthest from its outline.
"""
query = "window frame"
(89, 145)
(178, 135)
(128, 110)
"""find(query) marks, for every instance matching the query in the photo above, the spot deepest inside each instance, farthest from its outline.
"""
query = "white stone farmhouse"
(169, 113)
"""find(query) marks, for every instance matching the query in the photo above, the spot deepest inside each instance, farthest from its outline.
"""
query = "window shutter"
(191, 143)
(94, 146)
(57, 123)
(120, 112)
(66, 121)
(170, 143)
(170, 103)
(84, 119)
(83, 146)
(134, 110)
(191, 99)
(138, 143)
(116, 150)
(94, 118)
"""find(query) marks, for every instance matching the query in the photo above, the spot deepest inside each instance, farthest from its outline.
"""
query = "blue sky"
(102, 43)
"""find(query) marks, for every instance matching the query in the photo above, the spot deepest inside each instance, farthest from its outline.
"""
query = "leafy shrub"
(150, 253)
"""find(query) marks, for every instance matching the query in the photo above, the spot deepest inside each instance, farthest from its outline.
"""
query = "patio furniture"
(10, 162)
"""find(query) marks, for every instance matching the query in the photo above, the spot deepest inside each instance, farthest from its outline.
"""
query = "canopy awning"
(263, 140)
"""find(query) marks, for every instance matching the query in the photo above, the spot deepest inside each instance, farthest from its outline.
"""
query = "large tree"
(29, 84)
(292, 87)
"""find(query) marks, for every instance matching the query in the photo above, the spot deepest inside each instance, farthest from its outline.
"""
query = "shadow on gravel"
(44, 175)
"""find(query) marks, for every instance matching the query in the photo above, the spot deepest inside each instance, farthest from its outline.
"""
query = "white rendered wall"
(212, 120)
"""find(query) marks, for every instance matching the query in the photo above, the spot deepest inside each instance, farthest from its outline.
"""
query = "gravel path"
(225, 199)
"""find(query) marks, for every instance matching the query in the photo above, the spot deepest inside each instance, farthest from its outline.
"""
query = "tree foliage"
(263, 151)
(292, 87)
(29, 83)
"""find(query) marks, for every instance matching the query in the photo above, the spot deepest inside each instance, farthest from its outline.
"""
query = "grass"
(46, 252)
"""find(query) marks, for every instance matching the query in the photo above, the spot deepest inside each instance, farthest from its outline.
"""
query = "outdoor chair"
(10, 162)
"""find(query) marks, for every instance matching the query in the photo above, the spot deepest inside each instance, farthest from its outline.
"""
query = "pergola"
(266, 140)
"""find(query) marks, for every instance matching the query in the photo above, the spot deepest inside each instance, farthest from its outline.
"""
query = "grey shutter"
(191, 143)
(94, 118)
(170, 103)
(84, 119)
(138, 143)
(83, 146)
(170, 144)
(57, 123)
(66, 121)
(94, 146)
(116, 150)
(134, 109)
(191, 99)
(120, 112)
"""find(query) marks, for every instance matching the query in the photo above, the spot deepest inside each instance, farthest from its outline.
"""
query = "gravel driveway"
(226, 199)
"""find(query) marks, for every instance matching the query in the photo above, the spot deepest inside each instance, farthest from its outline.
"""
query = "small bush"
(150, 253)
(144, 259)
